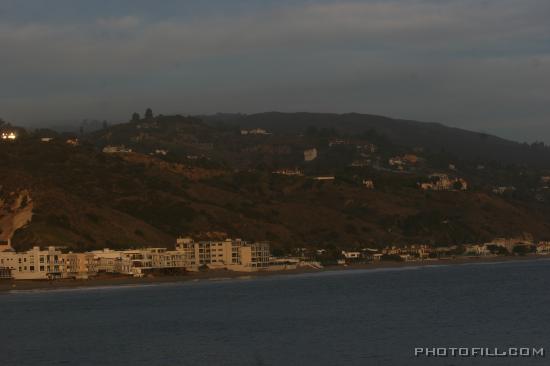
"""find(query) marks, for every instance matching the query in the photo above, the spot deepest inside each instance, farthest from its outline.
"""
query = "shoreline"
(114, 280)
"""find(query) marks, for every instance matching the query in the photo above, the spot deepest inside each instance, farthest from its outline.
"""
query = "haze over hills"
(434, 136)
(249, 176)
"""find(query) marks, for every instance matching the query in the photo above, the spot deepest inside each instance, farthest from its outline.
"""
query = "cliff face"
(16, 211)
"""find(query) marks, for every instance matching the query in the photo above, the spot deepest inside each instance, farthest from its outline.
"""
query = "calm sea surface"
(370, 317)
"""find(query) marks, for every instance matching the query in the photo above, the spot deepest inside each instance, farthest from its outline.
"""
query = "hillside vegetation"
(202, 177)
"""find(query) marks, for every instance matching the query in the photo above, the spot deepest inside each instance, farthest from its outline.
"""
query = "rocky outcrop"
(16, 211)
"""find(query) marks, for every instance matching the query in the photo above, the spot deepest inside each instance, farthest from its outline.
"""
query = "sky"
(482, 65)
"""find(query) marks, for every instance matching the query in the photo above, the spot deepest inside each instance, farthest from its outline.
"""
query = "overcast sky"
(478, 64)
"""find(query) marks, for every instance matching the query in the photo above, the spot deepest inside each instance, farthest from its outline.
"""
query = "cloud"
(467, 62)
(125, 23)
(129, 44)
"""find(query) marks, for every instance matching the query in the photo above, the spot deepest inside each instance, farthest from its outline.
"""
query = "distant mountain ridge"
(437, 137)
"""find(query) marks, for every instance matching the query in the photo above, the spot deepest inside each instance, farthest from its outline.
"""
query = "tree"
(497, 249)
(457, 185)
(135, 117)
(523, 249)
(149, 113)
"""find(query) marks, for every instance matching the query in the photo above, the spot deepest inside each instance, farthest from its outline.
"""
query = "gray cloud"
(478, 64)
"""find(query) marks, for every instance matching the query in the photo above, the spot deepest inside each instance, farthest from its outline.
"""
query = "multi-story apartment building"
(105, 260)
(35, 264)
(51, 263)
(80, 265)
(137, 262)
(234, 254)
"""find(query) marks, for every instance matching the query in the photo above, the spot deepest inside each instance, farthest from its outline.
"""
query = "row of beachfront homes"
(189, 255)
(497, 246)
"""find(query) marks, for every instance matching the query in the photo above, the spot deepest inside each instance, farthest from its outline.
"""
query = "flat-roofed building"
(34, 264)
(80, 265)
(231, 254)
(105, 260)
(139, 261)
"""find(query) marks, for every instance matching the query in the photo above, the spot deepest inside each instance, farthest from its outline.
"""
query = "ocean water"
(366, 317)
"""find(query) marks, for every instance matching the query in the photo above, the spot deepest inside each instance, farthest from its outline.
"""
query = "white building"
(368, 183)
(351, 255)
(116, 149)
(162, 152)
(35, 264)
(80, 265)
(10, 136)
(105, 260)
(504, 189)
(255, 131)
(442, 182)
(139, 262)
(310, 154)
(543, 247)
(237, 255)
(289, 172)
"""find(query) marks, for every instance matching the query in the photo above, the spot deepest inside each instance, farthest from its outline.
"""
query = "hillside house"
(8, 136)
(360, 163)
(121, 149)
(442, 182)
(410, 158)
(401, 162)
(367, 148)
(289, 172)
(161, 152)
(338, 142)
(368, 183)
(310, 154)
(504, 189)
(397, 162)
(255, 131)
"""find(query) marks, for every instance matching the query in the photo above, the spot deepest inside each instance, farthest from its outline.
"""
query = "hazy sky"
(478, 64)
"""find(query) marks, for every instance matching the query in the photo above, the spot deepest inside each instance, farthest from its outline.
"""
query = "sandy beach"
(117, 280)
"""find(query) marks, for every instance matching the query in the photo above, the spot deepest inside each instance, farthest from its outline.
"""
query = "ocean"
(362, 317)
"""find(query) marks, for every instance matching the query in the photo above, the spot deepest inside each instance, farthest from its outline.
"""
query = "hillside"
(433, 136)
(189, 176)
